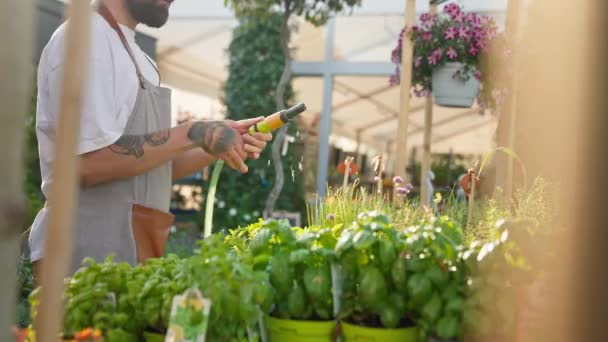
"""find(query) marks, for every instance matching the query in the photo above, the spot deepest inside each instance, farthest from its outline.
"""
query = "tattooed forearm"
(133, 145)
(215, 137)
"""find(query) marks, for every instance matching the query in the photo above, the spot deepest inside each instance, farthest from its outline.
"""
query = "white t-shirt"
(108, 99)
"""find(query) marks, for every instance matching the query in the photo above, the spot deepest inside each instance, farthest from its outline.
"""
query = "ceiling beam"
(342, 68)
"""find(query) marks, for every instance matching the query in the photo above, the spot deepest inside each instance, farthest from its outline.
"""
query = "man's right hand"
(220, 140)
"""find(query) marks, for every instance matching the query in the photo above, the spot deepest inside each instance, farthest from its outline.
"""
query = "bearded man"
(128, 150)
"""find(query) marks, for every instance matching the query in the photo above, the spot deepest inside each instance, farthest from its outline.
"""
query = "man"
(129, 152)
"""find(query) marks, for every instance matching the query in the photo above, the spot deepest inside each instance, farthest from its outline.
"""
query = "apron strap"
(107, 15)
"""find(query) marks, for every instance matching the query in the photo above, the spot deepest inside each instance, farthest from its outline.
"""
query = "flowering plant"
(452, 36)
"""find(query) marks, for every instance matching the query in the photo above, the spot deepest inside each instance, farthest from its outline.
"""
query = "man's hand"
(220, 140)
(254, 144)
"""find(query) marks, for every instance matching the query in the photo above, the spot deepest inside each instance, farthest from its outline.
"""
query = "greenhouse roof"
(192, 58)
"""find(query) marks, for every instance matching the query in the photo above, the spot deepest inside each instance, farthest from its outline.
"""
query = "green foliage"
(298, 264)
(315, 12)
(255, 68)
(32, 165)
(34, 202)
(123, 300)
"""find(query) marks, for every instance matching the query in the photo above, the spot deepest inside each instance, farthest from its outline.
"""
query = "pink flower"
(451, 53)
(452, 10)
(473, 50)
(480, 44)
(427, 35)
(463, 32)
(418, 61)
(477, 75)
(421, 93)
(426, 18)
(393, 80)
(397, 180)
(396, 55)
(402, 191)
(435, 56)
(450, 33)
(458, 17)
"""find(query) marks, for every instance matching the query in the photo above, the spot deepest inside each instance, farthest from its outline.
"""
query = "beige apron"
(129, 218)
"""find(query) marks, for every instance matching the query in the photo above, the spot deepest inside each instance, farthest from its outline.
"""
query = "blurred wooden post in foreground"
(407, 55)
(64, 189)
(16, 70)
(560, 134)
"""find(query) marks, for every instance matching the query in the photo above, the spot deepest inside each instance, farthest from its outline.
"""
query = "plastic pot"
(451, 91)
(299, 331)
(356, 333)
(153, 337)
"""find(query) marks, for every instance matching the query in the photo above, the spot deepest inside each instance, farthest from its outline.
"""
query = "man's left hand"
(253, 144)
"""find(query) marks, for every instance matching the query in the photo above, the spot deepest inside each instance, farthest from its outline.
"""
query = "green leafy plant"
(298, 264)
(373, 283)
(436, 278)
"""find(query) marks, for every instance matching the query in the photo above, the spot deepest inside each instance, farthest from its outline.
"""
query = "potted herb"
(373, 287)
(448, 49)
(436, 278)
(298, 264)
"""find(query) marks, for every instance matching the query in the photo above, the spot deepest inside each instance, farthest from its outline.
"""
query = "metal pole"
(407, 53)
(325, 126)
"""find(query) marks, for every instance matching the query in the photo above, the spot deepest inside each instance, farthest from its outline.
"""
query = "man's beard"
(148, 12)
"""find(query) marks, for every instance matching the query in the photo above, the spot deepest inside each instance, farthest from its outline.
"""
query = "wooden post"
(358, 156)
(505, 134)
(347, 163)
(17, 28)
(426, 149)
(407, 55)
(472, 174)
(426, 145)
(64, 189)
(514, 38)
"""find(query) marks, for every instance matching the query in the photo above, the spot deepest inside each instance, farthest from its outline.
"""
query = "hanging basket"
(299, 331)
(355, 333)
(451, 91)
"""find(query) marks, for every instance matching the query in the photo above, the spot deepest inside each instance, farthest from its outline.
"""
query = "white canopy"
(193, 60)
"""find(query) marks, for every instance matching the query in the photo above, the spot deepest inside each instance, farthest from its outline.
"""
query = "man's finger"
(241, 166)
(252, 149)
(263, 136)
(243, 125)
(240, 151)
(252, 140)
(227, 158)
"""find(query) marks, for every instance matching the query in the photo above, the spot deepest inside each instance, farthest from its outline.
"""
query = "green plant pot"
(355, 333)
(299, 331)
(153, 337)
